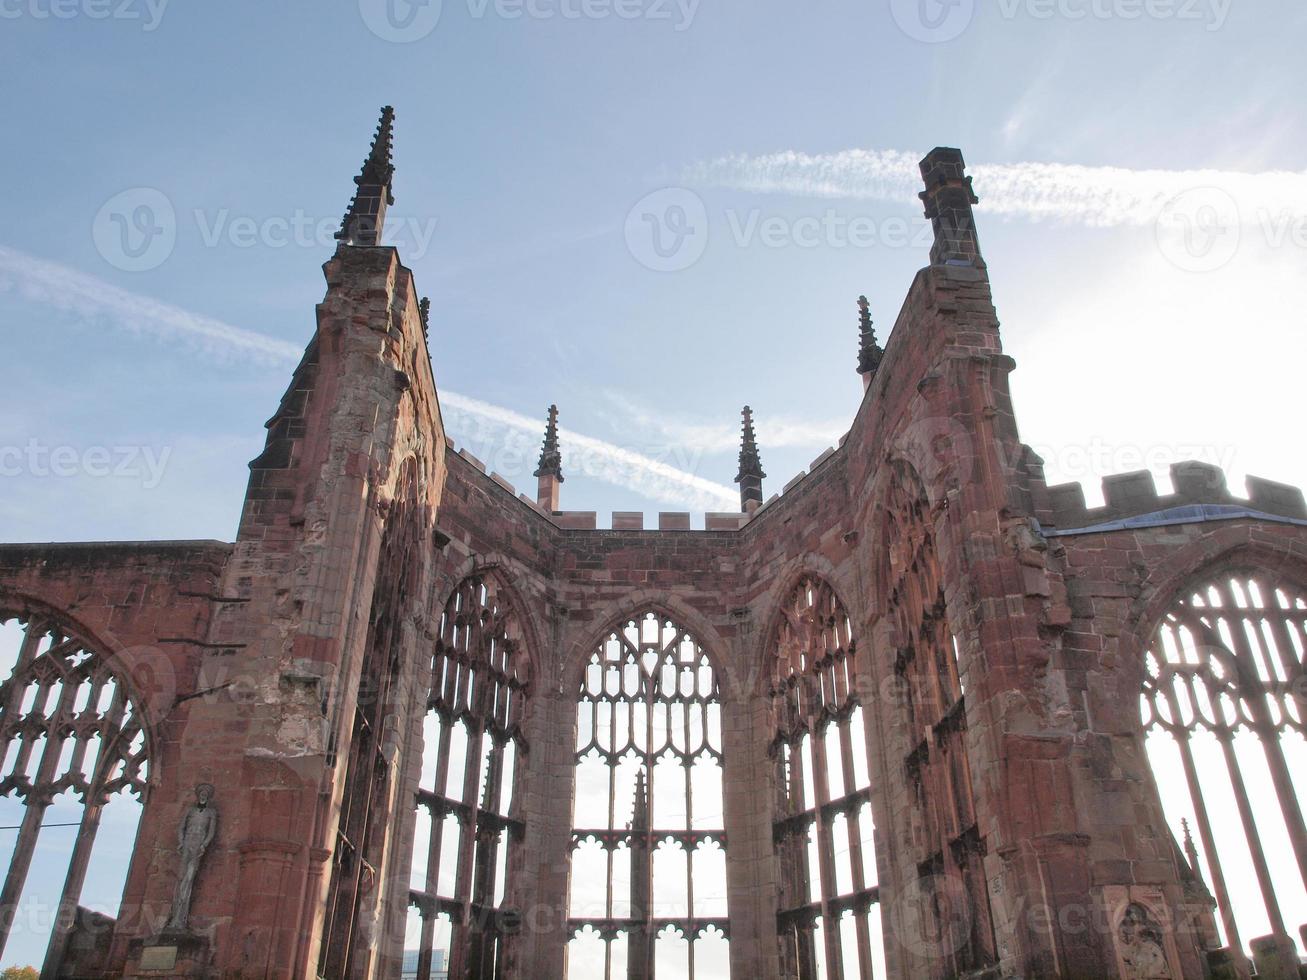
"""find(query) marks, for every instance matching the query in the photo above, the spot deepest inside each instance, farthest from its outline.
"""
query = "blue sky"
(522, 146)
(525, 147)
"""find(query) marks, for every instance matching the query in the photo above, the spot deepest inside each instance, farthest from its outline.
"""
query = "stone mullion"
(92, 807)
(487, 856)
(1264, 726)
(461, 932)
(74, 881)
(35, 804)
(1279, 621)
(640, 941)
(826, 860)
(38, 798)
(33, 633)
(338, 923)
(431, 881)
(1251, 835)
(19, 864)
(852, 827)
(1209, 844)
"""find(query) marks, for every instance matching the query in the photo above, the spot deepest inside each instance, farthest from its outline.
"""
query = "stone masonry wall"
(248, 656)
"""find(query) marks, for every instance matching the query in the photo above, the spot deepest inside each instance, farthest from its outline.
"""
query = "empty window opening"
(1222, 709)
(829, 908)
(648, 875)
(76, 767)
(469, 830)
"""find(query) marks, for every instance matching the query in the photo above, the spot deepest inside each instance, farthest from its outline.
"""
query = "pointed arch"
(1223, 719)
(634, 604)
(371, 753)
(828, 913)
(478, 676)
(70, 723)
(505, 574)
(648, 866)
(943, 832)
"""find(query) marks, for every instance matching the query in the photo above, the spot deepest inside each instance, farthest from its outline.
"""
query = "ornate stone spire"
(751, 475)
(424, 312)
(640, 812)
(948, 198)
(366, 218)
(550, 469)
(1190, 851)
(640, 942)
(869, 352)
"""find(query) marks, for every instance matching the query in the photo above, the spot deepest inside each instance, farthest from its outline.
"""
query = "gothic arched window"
(947, 847)
(468, 824)
(1223, 708)
(360, 885)
(648, 878)
(73, 743)
(829, 912)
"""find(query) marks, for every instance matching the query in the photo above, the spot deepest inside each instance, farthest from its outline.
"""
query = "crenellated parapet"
(1201, 493)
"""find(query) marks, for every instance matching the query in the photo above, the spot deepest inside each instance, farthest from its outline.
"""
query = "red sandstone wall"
(1050, 632)
(146, 607)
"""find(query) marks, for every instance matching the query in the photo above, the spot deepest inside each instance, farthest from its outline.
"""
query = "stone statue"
(1141, 946)
(194, 834)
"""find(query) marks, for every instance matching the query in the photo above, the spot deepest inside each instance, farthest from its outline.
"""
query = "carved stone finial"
(1190, 851)
(870, 353)
(424, 313)
(549, 472)
(750, 476)
(640, 811)
(551, 458)
(948, 198)
(194, 835)
(365, 220)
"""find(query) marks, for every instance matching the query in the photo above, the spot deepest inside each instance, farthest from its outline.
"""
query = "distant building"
(409, 970)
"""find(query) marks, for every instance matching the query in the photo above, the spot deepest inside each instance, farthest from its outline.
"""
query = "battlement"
(1200, 493)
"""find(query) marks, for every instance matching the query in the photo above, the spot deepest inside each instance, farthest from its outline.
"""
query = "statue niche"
(194, 834)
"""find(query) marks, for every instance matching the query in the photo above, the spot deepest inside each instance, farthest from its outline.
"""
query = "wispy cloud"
(1094, 196)
(774, 432)
(510, 439)
(94, 300)
(473, 421)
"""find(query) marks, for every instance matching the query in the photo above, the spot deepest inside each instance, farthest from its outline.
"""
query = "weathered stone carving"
(1142, 954)
(194, 835)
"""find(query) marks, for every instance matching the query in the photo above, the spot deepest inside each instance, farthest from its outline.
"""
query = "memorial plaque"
(158, 957)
